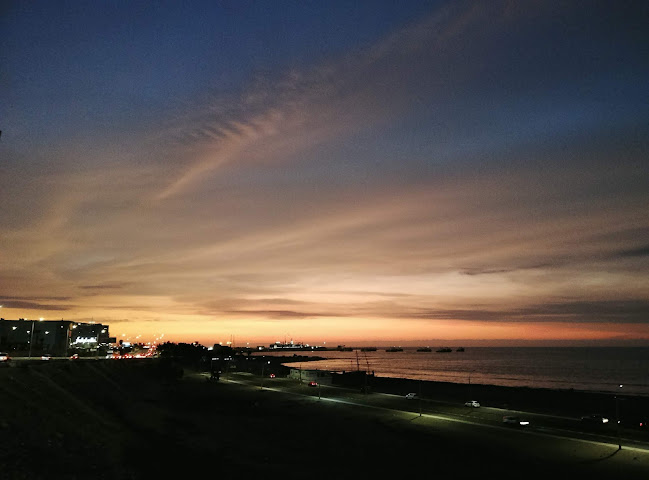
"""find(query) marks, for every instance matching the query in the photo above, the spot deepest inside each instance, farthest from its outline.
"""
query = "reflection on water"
(581, 368)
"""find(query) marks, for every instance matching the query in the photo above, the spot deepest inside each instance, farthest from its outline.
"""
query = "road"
(463, 442)
(540, 424)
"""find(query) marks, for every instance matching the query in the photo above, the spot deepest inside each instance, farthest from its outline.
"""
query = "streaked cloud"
(457, 169)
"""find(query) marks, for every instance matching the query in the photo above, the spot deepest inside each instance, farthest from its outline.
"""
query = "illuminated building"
(25, 337)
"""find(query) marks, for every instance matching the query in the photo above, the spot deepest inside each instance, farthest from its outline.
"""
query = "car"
(46, 356)
(411, 396)
(4, 357)
(595, 419)
(74, 356)
(313, 384)
(514, 420)
(272, 375)
(472, 403)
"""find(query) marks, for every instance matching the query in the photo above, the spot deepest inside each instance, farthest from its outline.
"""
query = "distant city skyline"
(359, 173)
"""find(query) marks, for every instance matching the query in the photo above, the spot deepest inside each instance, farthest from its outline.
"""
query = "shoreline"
(567, 402)
(590, 371)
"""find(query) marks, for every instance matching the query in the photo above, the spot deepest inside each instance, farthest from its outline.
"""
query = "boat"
(425, 349)
(461, 349)
(444, 350)
(394, 349)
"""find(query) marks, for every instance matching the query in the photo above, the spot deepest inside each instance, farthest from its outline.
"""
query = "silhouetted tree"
(188, 354)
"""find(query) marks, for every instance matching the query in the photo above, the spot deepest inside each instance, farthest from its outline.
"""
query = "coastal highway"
(484, 416)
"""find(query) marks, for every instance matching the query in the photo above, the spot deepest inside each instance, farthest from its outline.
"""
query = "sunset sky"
(384, 172)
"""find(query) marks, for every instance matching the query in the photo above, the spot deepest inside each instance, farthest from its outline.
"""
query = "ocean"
(603, 369)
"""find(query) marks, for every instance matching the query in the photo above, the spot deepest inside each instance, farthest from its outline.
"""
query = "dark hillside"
(133, 419)
(77, 420)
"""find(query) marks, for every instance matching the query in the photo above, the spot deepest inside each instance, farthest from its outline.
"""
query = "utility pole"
(31, 340)
(67, 339)
(420, 398)
(470, 397)
(617, 421)
(365, 380)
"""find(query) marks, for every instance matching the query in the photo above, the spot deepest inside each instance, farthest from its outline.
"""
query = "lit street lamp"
(263, 365)
(617, 420)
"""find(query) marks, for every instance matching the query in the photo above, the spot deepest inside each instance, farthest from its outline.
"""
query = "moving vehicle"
(46, 356)
(411, 396)
(74, 356)
(595, 419)
(313, 384)
(4, 357)
(514, 420)
(472, 403)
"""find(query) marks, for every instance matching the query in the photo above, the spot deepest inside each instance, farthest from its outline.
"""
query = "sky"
(369, 172)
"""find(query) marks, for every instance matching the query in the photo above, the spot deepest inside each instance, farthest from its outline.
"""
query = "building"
(321, 376)
(89, 335)
(24, 337)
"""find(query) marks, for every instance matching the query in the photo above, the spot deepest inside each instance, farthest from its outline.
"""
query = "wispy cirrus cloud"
(439, 173)
(276, 118)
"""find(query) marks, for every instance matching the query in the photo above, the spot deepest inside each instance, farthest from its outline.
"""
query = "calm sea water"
(581, 368)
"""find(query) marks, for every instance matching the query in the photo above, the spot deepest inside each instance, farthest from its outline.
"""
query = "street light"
(263, 365)
(617, 420)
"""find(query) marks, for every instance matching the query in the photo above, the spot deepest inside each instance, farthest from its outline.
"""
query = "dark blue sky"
(420, 169)
(106, 61)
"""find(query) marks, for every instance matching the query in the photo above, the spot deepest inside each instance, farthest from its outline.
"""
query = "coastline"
(601, 370)
(566, 402)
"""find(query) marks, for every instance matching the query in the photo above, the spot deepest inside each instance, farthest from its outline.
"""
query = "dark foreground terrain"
(133, 419)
